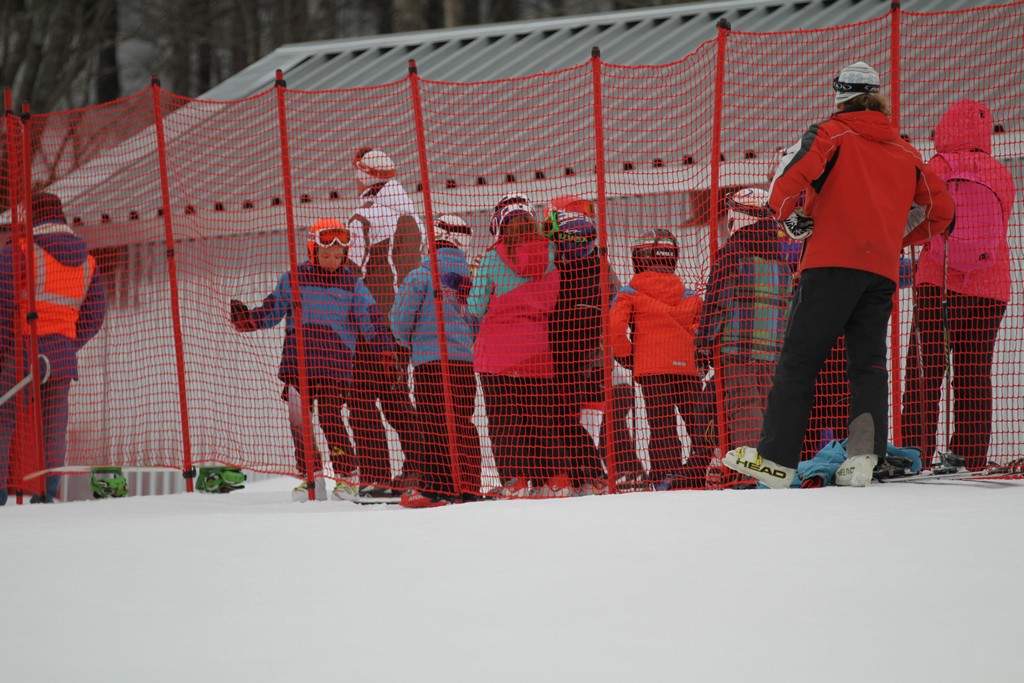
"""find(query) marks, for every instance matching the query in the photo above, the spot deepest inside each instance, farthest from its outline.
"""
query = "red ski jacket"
(662, 315)
(861, 180)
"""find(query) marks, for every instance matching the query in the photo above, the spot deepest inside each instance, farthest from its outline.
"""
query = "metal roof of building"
(657, 35)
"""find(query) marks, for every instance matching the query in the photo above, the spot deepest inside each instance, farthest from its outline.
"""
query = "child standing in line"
(652, 331)
(336, 306)
(415, 326)
(576, 335)
(515, 290)
(744, 313)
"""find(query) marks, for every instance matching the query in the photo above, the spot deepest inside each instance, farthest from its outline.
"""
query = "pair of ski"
(365, 500)
(994, 475)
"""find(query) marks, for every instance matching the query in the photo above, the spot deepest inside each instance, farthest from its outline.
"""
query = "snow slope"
(893, 583)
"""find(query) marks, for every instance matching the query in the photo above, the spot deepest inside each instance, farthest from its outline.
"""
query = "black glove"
(241, 317)
(798, 226)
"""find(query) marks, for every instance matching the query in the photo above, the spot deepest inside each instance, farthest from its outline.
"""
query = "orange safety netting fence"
(220, 344)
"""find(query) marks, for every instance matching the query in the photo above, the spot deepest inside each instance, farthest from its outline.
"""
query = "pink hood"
(966, 126)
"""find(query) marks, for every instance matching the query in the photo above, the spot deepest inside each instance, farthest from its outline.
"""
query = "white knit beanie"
(853, 80)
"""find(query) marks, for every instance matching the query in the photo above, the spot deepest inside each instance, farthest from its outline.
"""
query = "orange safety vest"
(60, 293)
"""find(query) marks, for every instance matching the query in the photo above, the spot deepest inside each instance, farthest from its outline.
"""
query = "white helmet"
(747, 207)
(452, 229)
(373, 165)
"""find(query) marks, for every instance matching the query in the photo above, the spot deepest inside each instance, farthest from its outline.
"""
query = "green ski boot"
(108, 482)
(220, 479)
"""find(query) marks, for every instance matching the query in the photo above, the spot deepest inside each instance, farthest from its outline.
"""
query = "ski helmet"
(572, 204)
(326, 232)
(452, 229)
(656, 249)
(574, 233)
(108, 482)
(746, 207)
(373, 165)
(513, 199)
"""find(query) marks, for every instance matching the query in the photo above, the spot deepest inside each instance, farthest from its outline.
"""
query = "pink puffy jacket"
(965, 134)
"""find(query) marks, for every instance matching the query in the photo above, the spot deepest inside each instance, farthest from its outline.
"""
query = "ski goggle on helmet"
(574, 234)
(746, 207)
(453, 230)
(327, 232)
(513, 199)
(571, 204)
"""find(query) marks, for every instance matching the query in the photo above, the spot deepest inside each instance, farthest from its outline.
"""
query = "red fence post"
(187, 471)
(602, 244)
(15, 161)
(32, 315)
(435, 277)
(724, 27)
(308, 444)
(894, 321)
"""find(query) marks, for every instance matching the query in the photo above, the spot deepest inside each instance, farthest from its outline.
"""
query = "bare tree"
(69, 53)
(53, 52)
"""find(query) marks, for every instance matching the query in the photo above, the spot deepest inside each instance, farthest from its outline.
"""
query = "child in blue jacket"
(415, 327)
(336, 308)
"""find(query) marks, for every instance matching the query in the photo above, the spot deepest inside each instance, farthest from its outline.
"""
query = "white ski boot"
(746, 460)
(856, 470)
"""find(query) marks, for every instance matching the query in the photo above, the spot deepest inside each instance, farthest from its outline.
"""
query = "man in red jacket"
(868, 194)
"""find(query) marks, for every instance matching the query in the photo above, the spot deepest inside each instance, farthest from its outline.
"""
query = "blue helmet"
(574, 234)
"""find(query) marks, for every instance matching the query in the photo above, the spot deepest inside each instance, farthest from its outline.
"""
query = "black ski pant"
(577, 384)
(973, 327)
(327, 398)
(436, 474)
(375, 380)
(663, 395)
(827, 303)
(524, 436)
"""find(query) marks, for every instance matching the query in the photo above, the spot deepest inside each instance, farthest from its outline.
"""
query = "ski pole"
(44, 362)
(947, 349)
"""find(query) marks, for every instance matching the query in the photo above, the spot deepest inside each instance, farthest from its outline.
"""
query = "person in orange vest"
(71, 304)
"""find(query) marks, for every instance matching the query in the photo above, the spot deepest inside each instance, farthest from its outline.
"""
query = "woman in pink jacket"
(961, 290)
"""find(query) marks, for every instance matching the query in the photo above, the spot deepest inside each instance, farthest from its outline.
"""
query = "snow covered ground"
(895, 583)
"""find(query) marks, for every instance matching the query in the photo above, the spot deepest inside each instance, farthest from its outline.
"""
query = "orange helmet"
(327, 232)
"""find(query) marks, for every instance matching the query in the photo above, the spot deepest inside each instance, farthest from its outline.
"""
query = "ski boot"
(949, 463)
(220, 479)
(892, 466)
(108, 482)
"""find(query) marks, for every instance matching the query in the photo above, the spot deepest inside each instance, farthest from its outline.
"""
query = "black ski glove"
(241, 317)
(798, 226)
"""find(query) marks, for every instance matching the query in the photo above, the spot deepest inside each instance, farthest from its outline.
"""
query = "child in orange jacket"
(661, 314)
